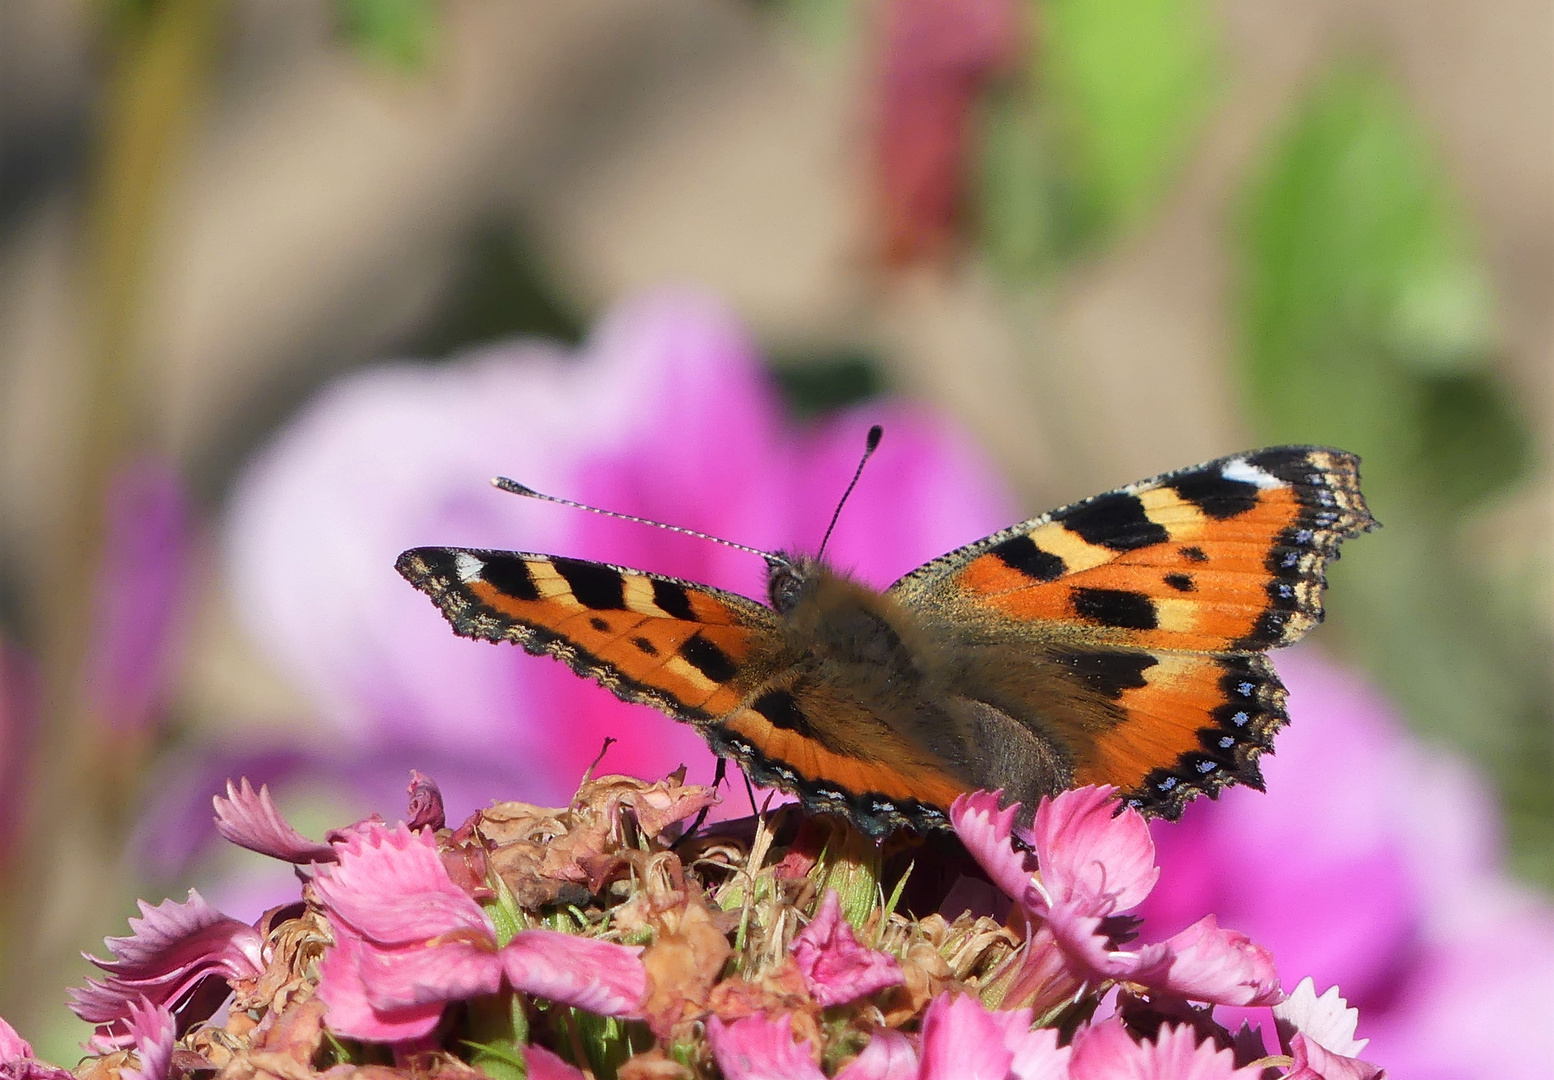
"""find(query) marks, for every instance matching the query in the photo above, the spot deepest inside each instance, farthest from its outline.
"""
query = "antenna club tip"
(513, 486)
(876, 433)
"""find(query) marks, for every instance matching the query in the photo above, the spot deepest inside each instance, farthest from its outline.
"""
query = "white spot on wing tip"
(467, 567)
(1247, 473)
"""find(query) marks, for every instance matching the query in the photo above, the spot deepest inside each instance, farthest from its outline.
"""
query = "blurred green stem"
(81, 787)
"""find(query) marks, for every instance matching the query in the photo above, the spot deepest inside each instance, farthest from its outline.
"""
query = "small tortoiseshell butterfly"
(1117, 641)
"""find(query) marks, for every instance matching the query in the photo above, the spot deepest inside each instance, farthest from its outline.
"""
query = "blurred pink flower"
(665, 412)
(964, 1040)
(758, 1048)
(1093, 863)
(938, 55)
(408, 941)
(836, 968)
(1373, 863)
(140, 598)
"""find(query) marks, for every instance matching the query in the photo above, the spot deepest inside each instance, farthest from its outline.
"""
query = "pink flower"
(938, 57)
(154, 1031)
(1318, 1032)
(17, 1062)
(835, 967)
(172, 952)
(408, 941)
(1373, 863)
(757, 1048)
(665, 412)
(250, 819)
(964, 1040)
(1105, 1051)
(1092, 864)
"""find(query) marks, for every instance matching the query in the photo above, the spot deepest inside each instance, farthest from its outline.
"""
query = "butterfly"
(1119, 640)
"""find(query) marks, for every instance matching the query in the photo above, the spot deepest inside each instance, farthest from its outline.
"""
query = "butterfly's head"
(789, 578)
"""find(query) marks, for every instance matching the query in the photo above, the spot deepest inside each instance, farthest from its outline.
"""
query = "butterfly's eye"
(785, 584)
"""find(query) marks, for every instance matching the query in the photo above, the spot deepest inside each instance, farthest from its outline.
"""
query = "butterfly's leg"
(718, 772)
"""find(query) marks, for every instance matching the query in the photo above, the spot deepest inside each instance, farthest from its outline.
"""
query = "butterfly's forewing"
(677, 646)
(1158, 597)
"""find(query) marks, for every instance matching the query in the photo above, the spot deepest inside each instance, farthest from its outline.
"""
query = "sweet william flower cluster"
(607, 938)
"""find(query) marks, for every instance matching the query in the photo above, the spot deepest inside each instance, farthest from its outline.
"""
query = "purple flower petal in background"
(836, 968)
(142, 580)
(1372, 863)
(173, 950)
(667, 413)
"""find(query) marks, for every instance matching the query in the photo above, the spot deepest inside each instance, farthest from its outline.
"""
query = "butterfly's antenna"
(516, 488)
(871, 444)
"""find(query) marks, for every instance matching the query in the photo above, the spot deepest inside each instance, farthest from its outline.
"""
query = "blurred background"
(1101, 238)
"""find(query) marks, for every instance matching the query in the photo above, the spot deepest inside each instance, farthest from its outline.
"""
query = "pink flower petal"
(963, 1040)
(390, 885)
(1313, 1061)
(251, 820)
(1037, 1056)
(420, 974)
(1105, 1051)
(1088, 855)
(350, 1012)
(544, 1065)
(1326, 1018)
(12, 1046)
(173, 948)
(986, 830)
(836, 968)
(756, 1048)
(154, 1031)
(1219, 966)
(889, 1056)
(599, 976)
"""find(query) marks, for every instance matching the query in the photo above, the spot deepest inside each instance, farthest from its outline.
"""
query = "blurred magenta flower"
(665, 412)
(1106, 1051)
(1373, 863)
(938, 55)
(141, 595)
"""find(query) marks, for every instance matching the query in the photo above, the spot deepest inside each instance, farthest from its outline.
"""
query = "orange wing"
(1159, 597)
(677, 646)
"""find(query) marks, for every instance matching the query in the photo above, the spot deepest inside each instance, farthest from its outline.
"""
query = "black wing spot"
(707, 658)
(673, 600)
(595, 586)
(1180, 582)
(1216, 495)
(510, 577)
(782, 711)
(645, 645)
(1115, 607)
(1021, 553)
(1110, 673)
(1194, 554)
(601, 625)
(1116, 521)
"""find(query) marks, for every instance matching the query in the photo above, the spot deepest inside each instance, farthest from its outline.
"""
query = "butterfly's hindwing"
(1158, 598)
(680, 647)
